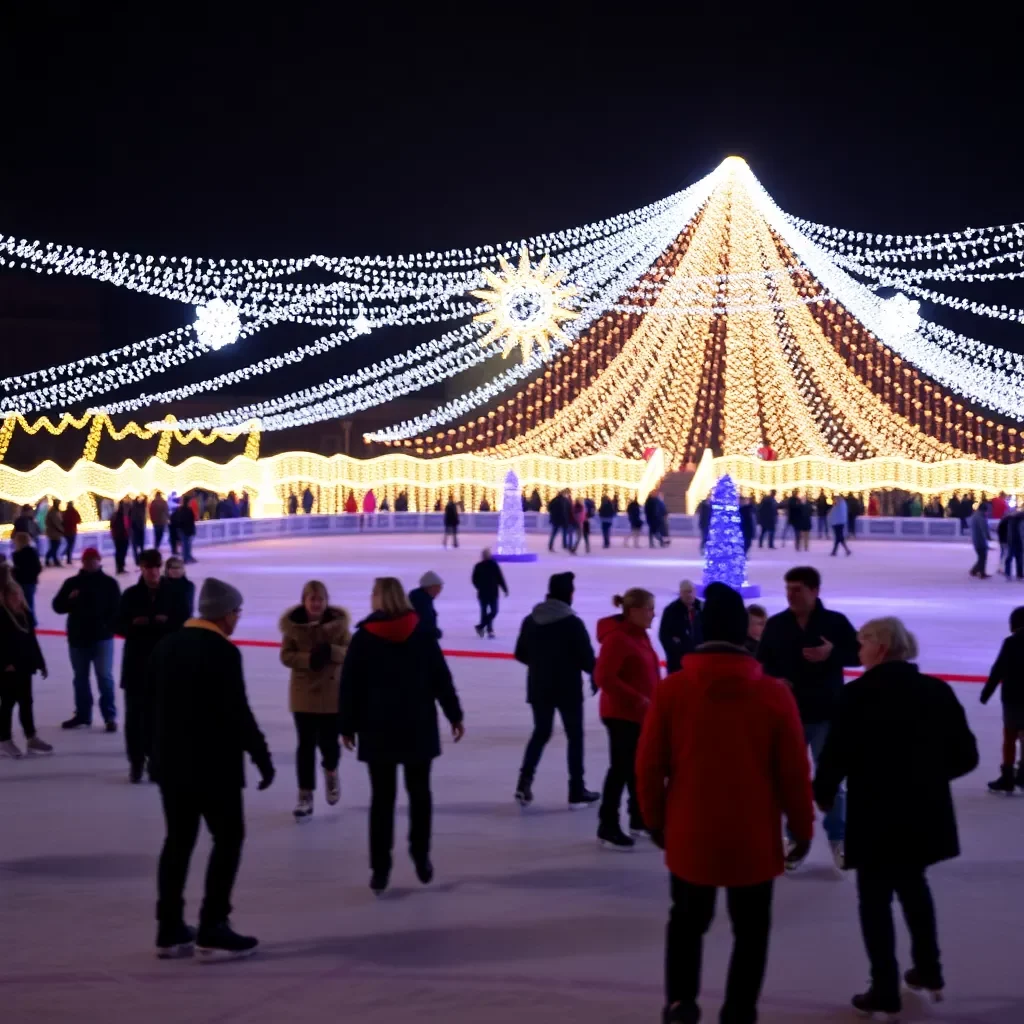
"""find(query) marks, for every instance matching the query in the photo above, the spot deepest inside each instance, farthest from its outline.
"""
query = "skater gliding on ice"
(1007, 675)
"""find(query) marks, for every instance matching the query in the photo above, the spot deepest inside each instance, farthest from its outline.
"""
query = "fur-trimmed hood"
(335, 623)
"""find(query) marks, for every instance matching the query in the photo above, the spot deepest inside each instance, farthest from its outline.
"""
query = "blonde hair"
(389, 596)
(635, 597)
(314, 587)
(8, 585)
(901, 643)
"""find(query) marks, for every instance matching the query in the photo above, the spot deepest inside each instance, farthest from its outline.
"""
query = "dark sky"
(234, 135)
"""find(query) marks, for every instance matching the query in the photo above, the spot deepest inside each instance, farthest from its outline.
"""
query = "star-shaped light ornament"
(527, 305)
(217, 323)
(361, 324)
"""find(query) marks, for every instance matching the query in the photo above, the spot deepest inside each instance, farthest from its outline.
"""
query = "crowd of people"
(746, 697)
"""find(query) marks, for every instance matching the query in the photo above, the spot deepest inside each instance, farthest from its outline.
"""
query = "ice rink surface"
(528, 918)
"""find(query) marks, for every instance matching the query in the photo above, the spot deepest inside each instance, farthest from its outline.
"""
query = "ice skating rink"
(527, 919)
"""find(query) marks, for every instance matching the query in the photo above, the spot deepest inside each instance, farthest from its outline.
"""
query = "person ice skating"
(451, 522)
(160, 517)
(71, 520)
(121, 533)
(308, 501)
(555, 647)
(54, 528)
(315, 638)
(184, 521)
(606, 513)
(838, 518)
(807, 646)
(627, 674)
(748, 523)
(757, 618)
(980, 538)
(802, 524)
(653, 515)
(636, 523)
(293, 503)
(487, 580)
(393, 678)
(181, 586)
(767, 519)
(422, 601)
(138, 515)
(898, 738)
(680, 629)
(26, 567)
(202, 729)
(149, 611)
(704, 522)
(369, 503)
(20, 659)
(721, 761)
(1008, 674)
(91, 600)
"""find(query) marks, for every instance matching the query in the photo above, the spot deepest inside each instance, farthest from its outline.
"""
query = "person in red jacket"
(722, 758)
(626, 673)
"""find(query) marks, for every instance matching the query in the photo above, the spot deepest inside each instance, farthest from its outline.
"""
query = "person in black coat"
(184, 520)
(121, 533)
(451, 522)
(1008, 673)
(898, 738)
(422, 601)
(393, 677)
(488, 579)
(748, 523)
(20, 659)
(767, 519)
(559, 512)
(26, 567)
(680, 630)
(606, 513)
(655, 524)
(149, 611)
(555, 647)
(704, 522)
(183, 589)
(202, 729)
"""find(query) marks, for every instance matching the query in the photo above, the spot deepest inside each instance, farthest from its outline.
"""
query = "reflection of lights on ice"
(900, 317)
(217, 323)
(361, 324)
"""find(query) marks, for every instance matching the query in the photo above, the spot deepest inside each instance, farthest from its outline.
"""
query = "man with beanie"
(721, 734)
(202, 728)
(555, 647)
(422, 601)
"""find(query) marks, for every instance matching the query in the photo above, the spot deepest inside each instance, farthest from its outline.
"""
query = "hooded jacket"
(722, 758)
(627, 670)
(393, 677)
(555, 647)
(163, 609)
(315, 677)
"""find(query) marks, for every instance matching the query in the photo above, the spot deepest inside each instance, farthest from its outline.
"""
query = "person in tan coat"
(315, 637)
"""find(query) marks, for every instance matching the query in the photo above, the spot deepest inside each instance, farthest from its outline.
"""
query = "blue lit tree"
(725, 560)
(511, 526)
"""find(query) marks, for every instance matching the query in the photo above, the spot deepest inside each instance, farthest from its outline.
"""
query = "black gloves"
(266, 774)
(319, 656)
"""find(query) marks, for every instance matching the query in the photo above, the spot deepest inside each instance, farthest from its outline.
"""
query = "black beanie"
(724, 616)
(560, 586)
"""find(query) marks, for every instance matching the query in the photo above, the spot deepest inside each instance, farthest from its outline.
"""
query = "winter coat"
(92, 615)
(184, 597)
(729, 742)
(293, 505)
(748, 514)
(423, 605)
(26, 524)
(54, 523)
(898, 738)
(152, 604)
(202, 723)
(1008, 672)
(816, 685)
(26, 566)
(139, 509)
(800, 517)
(558, 513)
(18, 644)
(680, 631)
(607, 510)
(555, 647)
(839, 515)
(652, 510)
(626, 671)
(120, 524)
(704, 516)
(768, 513)
(488, 578)
(314, 652)
(393, 678)
(636, 520)
(184, 520)
(451, 514)
(159, 512)
(307, 501)
(979, 530)
(369, 503)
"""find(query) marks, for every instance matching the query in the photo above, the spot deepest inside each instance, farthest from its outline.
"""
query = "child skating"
(1008, 672)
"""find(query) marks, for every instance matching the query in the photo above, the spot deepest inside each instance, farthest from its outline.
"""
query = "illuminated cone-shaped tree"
(725, 560)
(511, 526)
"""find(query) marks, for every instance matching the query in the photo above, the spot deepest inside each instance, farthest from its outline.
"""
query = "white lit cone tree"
(511, 526)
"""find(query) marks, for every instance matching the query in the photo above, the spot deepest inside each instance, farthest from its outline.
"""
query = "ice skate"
(613, 838)
(10, 749)
(332, 785)
(875, 1007)
(38, 748)
(304, 807)
(931, 986)
(524, 794)
(223, 943)
(175, 942)
(580, 799)
(1006, 784)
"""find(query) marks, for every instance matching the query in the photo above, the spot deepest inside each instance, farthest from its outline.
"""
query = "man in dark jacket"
(653, 510)
(748, 522)
(202, 728)
(160, 517)
(149, 611)
(307, 501)
(704, 522)
(554, 646)
(1008, 674)
(680, 631)
(808, 646)
(90, 600)
(898, 738)
(767, 519)
(488, 579)
(422, 601)
(559, 511)
(451, 522)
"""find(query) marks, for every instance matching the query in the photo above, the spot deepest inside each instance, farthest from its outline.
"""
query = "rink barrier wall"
(210, 532)
(508, 656)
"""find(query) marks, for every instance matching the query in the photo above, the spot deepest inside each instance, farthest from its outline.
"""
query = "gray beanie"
(218, 599)
(431, 579)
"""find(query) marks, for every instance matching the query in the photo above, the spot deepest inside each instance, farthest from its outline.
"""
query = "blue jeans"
(101, 656)
(186, 547)
(29, 590)
(835, 821)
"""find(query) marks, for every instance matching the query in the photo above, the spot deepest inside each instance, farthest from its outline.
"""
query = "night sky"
(459, 125)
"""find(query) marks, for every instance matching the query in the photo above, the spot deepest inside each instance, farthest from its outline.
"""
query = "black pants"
(623, 738)
(383, 789)
(488, 612)
(571, 713)
(585, 530)
(69, 546)
(16, 689)
(315, 731)
(158, 535)
(875, 890)
(172, 531)
(221, 808)
(606, 532)
(453, 532)
(1015, 555)
(693, 910)
(853, 526)
(120, 552)
(654, 534)
(769, 532)
(138, 541)
(138, 728)
(823, 525)
(979, 565)
(53, 551)
(837, 533)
